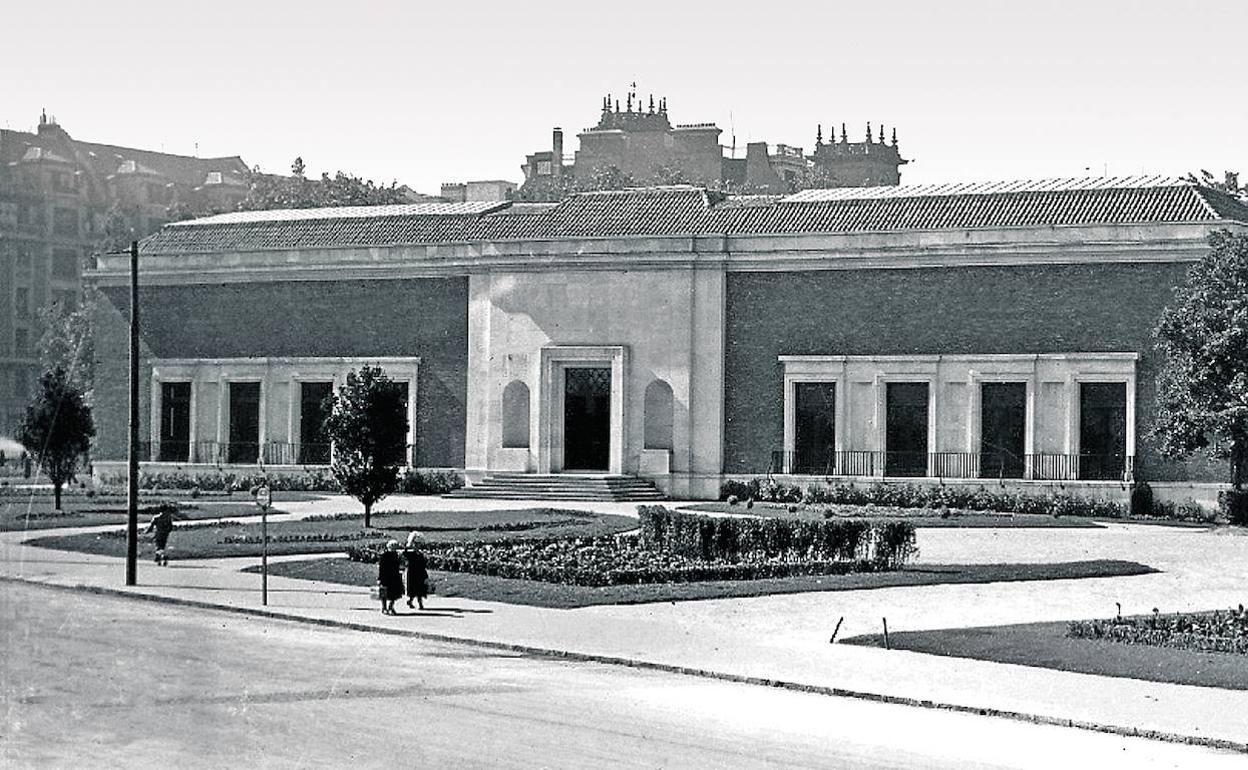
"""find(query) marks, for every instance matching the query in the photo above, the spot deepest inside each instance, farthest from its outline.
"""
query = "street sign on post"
(264, 498)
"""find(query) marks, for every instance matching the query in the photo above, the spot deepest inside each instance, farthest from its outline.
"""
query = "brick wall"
(1031, 309)
(416, 317)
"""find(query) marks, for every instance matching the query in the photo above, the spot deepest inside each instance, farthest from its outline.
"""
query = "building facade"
(59, 198)
(967, 334)
(639, 145)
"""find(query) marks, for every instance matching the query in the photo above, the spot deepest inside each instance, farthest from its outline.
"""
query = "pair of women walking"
(390, 575)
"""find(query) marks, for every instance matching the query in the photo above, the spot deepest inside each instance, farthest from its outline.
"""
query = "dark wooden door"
(175, 421)
(814, 427)
(587, 419)
(313, 409)
(1003, 429)
(1102, 430)
(906, 429)
(244, 446)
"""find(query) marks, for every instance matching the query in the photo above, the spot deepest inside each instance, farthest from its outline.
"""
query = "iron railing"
(957, 465)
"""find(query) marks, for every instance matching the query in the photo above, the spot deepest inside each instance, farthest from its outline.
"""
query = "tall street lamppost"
(132, 494)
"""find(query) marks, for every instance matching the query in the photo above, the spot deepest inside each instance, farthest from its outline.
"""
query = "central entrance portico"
(582, 398)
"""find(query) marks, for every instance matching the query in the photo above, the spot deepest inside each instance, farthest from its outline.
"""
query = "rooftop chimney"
(556, 153)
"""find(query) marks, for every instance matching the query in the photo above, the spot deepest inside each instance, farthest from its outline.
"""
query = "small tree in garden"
(367, 424)
(57, 428)
(1203, 384)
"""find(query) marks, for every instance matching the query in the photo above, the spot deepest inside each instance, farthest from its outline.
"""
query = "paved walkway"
(785, 638)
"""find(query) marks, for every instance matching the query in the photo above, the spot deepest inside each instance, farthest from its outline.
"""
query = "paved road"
(90, 681)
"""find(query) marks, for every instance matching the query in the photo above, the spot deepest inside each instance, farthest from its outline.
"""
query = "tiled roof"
(687, 210)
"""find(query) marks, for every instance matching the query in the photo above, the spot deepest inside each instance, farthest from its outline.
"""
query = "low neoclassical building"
(953, 332)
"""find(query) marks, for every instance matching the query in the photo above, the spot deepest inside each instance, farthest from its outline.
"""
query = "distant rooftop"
(347, 212)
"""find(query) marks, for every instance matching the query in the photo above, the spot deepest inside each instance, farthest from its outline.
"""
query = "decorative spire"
(651, 104)
(617, 105)
(894, 136)
(818, 135)
(844, 135)
(43, 116)
(881, 133)
(663, 105)
(869, 132)
(630, 101)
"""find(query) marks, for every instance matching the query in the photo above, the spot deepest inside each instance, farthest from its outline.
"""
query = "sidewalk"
(783, 640)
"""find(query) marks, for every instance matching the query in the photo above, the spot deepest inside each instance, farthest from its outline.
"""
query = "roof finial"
(651, 104)
(881, 133)
(844, 135)
(630, 101)
(868, 132)
(43, 116)
(617, 105)
(818, 135)
(894, 136)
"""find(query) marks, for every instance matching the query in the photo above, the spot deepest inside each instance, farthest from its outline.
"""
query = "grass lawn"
(540, 594)
(919, 517)
(1046, 645)
(18, 514)
(334, 535)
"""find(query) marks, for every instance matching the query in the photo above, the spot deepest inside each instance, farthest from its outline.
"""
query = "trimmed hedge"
(964, 498)
(1217, 631)
(224, 481)
(888, 545)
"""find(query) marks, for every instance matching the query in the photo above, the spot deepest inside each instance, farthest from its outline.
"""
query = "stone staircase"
(561, 486)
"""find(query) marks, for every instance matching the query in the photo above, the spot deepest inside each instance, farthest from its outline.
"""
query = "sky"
(425, 93)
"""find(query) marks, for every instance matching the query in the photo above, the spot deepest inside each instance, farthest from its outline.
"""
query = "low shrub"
(421, 482)
(313, 480)
(711, 538)
(1233, 503)
(1217, 631)
(1141, 499)
(918, 496)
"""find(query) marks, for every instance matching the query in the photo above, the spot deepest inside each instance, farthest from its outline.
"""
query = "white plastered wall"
(668, 323)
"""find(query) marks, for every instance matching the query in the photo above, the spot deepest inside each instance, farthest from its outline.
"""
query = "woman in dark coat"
(417, 572)
(389, 577)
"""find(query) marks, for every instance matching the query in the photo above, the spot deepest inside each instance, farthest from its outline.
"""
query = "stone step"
(530, 486)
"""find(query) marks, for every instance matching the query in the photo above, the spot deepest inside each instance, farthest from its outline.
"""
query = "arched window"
(516, 414)
(658, 415)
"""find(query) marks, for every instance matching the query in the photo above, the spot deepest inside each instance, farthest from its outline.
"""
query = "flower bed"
(676, 547)
(605, 561)
(1217, 631)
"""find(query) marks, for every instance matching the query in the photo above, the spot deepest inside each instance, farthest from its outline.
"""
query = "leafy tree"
(68, 341)
(1203, 383)
(297, 191)
(1229, 184)
(57, 429)
(367, 424)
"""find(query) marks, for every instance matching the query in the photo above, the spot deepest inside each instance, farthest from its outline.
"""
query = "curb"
(611, 660)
